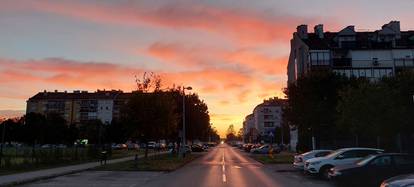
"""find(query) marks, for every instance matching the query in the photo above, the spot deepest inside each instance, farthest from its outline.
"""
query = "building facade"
(249, 129)
(264, 120)
(79, 106)
(351, 53)
(373, 55)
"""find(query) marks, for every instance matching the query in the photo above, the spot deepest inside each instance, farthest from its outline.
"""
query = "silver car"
(399, 181)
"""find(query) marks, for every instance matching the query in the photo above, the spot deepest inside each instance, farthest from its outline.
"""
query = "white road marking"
(223, 168)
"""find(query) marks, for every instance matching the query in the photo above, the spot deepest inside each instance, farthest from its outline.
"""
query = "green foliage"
(329, 107)
(150, 116)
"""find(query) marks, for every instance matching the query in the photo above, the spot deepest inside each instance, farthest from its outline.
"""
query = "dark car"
(197, 148)
(399, 181)
(372, 170)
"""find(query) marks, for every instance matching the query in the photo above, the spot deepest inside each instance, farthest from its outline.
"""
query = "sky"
(233, 53)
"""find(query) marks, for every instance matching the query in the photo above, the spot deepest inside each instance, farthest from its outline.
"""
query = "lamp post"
(183, 143)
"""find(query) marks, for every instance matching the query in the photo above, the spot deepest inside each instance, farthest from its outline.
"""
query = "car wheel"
(324, 171)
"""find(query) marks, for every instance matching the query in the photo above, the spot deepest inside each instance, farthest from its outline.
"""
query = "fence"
(26, 158)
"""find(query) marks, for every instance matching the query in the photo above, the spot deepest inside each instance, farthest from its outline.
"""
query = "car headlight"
(385, 184)
(315, 163)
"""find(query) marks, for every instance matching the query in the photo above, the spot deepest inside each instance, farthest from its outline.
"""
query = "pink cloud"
(244, 26)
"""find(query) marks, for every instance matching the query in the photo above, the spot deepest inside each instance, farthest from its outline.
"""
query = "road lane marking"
(223, 168)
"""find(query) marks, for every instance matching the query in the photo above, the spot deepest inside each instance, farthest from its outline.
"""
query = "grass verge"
(283, 158)
(164, 162)
(20, 167)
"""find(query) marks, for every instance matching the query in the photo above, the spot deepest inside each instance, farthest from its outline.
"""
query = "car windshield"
(334, 153)
(365, 160)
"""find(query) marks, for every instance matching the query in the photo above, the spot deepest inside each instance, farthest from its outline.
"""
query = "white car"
(322, 165)
(299, 160)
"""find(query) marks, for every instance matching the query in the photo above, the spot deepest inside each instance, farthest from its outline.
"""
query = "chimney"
(302, 31)
(394, 26)
(318, 29)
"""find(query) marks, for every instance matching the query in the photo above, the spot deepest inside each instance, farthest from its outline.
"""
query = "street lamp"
(183, 143)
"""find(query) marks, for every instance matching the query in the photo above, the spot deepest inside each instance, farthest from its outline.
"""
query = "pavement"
(26, 177)
(221, 166)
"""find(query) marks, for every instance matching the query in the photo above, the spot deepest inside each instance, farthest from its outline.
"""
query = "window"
(381, 161)
(268, 116)
(364, 153)
(321, 154)
(320, 58)
(266, 110)
(404, 160)
(349, 154)
(268, 124)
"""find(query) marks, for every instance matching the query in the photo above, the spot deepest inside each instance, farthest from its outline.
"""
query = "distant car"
(376, 168)
(197, 148)
(399, 181)
(299, 160)
(265, 149)
(322, 165)
(187, 149)
(45, 146)
(152, 145)
(132, 146)
(61, 146)
(119, 146)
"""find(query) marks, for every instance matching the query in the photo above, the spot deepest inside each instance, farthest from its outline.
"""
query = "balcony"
(342, 62)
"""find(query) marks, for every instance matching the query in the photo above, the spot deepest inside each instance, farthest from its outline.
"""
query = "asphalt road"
(221, 166)
(228, 166)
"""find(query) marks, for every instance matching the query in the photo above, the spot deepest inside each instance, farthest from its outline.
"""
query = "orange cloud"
(240, 25)
(205, 56)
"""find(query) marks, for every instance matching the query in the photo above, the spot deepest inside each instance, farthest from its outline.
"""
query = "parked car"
(399, 181)
(247, 147)
(299, 160)
(152, 145)
(119, 146)
(187, 149)
(197, 148)
(265, 149)
(376, 168)
(46, 146)
(322, 165)
(133, 146)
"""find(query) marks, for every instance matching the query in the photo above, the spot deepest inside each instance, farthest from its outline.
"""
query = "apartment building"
(79, 106)
(249, 129)
(264, 120)
(351, 53)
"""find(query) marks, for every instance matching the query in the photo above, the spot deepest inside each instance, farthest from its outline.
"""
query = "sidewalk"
(26, 177)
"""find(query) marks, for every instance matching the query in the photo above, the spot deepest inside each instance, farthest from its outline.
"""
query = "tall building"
(369, 54)
(79, 106)
(264, 120)
(352, 53)
(249, 129)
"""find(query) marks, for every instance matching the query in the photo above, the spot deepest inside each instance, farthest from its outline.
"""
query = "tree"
(34, 130)
(150, 116)
(240, 134)
(231, 133)
(92, 130)
(311, 107)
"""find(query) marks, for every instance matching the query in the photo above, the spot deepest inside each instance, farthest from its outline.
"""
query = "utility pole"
(184, 141)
